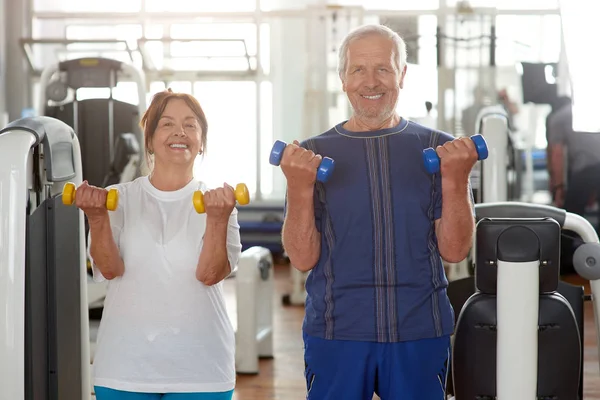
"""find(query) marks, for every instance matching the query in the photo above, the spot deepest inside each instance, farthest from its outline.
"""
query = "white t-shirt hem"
(164, 387)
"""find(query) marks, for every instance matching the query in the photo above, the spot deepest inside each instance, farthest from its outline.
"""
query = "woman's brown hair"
(152, 115)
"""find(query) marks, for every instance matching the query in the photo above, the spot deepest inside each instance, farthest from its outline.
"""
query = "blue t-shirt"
(380, 276)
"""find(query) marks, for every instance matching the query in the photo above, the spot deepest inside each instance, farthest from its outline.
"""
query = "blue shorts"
(103, 393)
(349, 370)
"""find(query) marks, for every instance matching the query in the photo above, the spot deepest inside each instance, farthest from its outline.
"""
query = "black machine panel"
(91, 124)
(488, 235)
(53, 304)
(472, 374)
(91, 72)
(474, 351)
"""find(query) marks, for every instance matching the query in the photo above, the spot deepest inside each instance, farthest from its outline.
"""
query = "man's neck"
(171, 179)
(358, 124)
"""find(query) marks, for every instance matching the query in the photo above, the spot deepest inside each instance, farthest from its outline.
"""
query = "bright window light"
(230, 109)
(580, 30)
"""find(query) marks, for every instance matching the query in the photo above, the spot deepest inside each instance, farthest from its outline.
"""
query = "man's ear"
(402, 77)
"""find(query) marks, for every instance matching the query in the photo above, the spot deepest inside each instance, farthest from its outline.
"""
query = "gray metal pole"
(17, 24)
(3, 19)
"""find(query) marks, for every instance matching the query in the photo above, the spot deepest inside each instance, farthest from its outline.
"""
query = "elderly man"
(373, 237)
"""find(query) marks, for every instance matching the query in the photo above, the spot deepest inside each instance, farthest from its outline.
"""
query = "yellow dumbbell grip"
(69, 192)
(242, 196)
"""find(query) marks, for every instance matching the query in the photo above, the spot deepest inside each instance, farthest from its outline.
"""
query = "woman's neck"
(169, 180)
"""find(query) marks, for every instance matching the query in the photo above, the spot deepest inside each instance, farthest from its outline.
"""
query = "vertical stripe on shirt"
(384, 274)
(388, 225)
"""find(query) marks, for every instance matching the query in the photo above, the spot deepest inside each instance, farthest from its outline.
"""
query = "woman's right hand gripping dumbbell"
(300, 166)
(92, 201)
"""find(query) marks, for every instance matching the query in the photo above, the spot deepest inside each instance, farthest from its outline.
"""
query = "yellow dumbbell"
(242, 196)
(69, 191)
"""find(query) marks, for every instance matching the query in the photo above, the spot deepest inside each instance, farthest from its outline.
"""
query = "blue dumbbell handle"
(324, 170)
(432, 160)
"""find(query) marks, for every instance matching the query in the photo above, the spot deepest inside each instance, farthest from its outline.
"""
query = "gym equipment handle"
(70, 190)
(432, 160)
(324, 170)
(242, 196)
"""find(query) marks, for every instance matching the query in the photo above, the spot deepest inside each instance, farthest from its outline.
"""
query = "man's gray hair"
(368, 30)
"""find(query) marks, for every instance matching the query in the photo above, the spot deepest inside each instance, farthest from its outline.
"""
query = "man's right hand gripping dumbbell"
(299, 164)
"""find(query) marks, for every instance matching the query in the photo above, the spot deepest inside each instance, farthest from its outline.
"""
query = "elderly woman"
(165, 333)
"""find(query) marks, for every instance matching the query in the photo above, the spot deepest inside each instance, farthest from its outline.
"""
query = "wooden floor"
(281, 378)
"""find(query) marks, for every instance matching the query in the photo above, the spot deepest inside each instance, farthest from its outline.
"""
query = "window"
(205, 47)
(130, 33)
(580, 30)
(87, 6)
(511, 4)
(392, 5)
(268, 5)
(267, 171)
(529, 38)
(231, 156)
(200, 5)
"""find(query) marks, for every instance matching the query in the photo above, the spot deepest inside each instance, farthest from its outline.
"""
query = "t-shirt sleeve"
(556, 129)
(117, 220)
(437, 182)
(234, 243)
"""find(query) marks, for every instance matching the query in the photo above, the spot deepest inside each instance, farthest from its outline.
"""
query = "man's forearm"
(457, 225)
(213, 264)
(104, 250)
(301, 240)
(557, 161)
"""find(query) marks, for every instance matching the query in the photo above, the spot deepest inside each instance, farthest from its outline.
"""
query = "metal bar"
(251, 15)
(257, 81)
(186, 40)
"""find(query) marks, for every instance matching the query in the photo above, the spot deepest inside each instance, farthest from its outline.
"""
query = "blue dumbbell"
(323, 172)
(432, 160)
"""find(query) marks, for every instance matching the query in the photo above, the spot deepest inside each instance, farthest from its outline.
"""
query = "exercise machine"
(261, 225)
(519, 328)
(44, 341)
(254, 308)
(111, 141)
(498, 178)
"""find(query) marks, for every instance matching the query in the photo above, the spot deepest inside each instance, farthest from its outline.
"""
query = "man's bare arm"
(301, 240)
(455, 229)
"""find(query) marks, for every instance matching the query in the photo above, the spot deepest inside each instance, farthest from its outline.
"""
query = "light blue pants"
(103, 393)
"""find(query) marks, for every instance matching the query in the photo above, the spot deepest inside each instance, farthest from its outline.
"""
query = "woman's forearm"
(104, 250)
(213, 264)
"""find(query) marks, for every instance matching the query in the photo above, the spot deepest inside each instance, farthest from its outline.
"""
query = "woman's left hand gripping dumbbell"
(219, 203)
